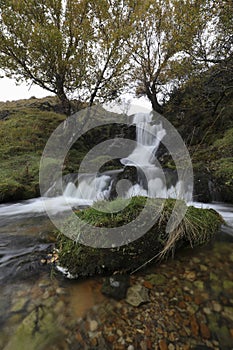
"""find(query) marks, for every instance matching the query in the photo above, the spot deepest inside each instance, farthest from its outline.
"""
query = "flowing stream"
(26, 240)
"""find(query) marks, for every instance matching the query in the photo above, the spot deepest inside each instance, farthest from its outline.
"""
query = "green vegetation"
(25, 127)
(23, 133)
(201, 110)
(197, 227)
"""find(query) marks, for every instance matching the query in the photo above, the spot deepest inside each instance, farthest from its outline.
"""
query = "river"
(28, 284)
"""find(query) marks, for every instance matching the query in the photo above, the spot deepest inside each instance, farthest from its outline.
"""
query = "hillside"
(202, 112)
(206, 127)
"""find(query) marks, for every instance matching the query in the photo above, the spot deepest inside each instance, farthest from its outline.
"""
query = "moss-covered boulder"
(197, 227)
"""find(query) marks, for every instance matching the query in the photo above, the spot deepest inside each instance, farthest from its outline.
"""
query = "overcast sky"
(9, 91)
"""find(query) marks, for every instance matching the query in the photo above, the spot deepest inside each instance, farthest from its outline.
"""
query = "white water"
(148, 138)
(90, 188)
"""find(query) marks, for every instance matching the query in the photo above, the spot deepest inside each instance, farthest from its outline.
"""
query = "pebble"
(163, 345)
(205, 332)
(93, 325)
(60, 291)
(119, 332)
(190, 275)
(130, 347)
(217, 307)
(171, 347)
(207, 310)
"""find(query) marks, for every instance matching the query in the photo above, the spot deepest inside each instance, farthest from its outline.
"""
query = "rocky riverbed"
(188, 305)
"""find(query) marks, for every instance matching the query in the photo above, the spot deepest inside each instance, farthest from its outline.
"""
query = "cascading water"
(90, 187)
(148, 137)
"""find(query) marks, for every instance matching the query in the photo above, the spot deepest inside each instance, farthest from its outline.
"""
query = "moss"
(224, 145)
(37, 331)
(197, 227)
(23, 137)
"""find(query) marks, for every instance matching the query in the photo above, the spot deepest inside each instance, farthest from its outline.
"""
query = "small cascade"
(89, 188)
(148, 137)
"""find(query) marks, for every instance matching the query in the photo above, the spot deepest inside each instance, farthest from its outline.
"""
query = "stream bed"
(190, 297)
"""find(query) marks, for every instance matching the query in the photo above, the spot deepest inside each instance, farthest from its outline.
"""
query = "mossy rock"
(197, 227)
(36, 332)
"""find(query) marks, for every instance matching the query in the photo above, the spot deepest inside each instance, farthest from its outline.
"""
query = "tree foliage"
(177, 40)
(93, 49)
(70, 48)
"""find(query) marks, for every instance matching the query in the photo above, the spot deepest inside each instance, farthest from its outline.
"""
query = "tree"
(166, 46)
(72, 48)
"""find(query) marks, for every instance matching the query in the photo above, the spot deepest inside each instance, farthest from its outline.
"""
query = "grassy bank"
(25, 127)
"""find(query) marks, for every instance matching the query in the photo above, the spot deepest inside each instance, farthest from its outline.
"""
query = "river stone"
(116, 286)
(36, 332)
(156, 279)
(227, 284)
(93, 325)
(137, 295)
(19, 304)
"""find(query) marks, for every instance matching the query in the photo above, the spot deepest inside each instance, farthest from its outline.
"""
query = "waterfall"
(148, 137)
(151, 178)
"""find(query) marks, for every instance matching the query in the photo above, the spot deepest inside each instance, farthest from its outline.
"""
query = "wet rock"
(199, 285)
(216, 307)
(224, 338)
(163, 345)
(116, 286)
(190, 275)
(205, 333)
(93, 325)
(36, 332)
(227, 284)
(156, 279)
(137, 295)
(19, 304)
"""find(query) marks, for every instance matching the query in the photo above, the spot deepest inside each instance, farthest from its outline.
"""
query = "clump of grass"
(197, 227)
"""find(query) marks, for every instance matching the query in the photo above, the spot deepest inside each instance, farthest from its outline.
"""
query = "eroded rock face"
(202, 188)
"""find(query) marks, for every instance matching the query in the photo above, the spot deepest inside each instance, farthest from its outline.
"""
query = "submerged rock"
(116, 286)
(37, 331)
(137, 295)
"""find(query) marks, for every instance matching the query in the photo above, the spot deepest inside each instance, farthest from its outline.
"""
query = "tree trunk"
(65, 102)
(152, 96)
